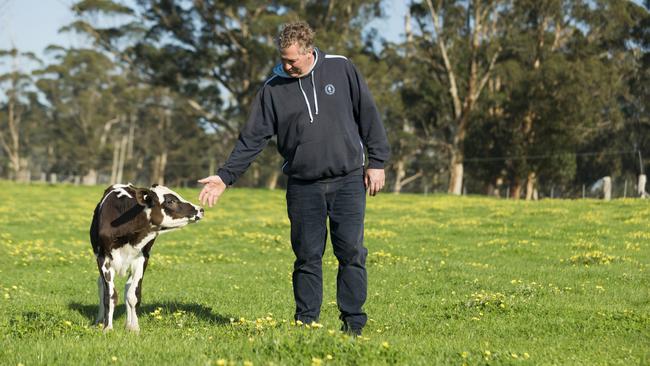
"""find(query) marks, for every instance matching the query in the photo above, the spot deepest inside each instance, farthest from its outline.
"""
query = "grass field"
(452, 281)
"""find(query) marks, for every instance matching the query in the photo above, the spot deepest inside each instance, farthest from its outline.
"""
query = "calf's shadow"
(202, 312)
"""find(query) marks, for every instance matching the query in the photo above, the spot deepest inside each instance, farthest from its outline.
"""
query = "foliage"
(549, 92)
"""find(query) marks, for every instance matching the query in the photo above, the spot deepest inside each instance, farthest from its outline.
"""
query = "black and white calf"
(125, 225)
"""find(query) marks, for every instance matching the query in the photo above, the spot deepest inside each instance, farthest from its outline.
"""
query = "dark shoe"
(305, 321)
(352, 332)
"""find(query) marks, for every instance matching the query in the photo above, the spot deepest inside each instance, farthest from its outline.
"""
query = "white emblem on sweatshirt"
(329, 89)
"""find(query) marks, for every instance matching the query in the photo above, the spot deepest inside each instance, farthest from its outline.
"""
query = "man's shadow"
(201, 312)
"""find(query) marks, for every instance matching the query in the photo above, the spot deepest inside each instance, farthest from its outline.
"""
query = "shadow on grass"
(201, 312)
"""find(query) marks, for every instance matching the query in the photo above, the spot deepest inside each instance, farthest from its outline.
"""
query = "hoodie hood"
(318, 59)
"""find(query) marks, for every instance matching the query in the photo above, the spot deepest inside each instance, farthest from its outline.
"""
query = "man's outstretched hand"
(213, 189)
(374, 179)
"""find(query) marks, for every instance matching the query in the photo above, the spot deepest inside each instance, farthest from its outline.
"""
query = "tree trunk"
(607, 188)
(272, 182)
(120, 164)
(159, 166)
(24, 173)
(90, 179)
(12, 147)
(641, 192)
(456, 173)
(116, 154)
(515, 192)
(530, 186)
(400, 173)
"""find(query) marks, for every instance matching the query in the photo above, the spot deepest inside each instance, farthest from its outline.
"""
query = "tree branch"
(453, 89)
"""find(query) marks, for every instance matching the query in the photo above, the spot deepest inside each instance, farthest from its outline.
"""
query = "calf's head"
(166, 209)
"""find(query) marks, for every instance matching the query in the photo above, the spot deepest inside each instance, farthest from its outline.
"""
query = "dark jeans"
(309, 204)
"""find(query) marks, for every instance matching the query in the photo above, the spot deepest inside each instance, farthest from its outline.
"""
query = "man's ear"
(144, 197)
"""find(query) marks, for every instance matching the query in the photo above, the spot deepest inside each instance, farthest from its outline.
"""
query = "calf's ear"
(144, 197)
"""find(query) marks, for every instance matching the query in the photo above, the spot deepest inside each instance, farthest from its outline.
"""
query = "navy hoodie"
(323, 121)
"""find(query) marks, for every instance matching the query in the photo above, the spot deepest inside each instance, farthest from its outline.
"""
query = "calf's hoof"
(133, 328)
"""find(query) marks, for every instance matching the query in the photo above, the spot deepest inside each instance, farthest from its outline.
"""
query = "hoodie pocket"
(325, 158)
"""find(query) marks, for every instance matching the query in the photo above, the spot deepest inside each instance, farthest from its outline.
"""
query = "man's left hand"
(374, 180)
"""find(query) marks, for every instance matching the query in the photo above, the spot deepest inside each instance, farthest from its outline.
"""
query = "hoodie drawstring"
(311, 117)
(313, 83)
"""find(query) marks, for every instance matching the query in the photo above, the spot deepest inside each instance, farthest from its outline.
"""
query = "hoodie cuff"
(375, 164)
(225, 176)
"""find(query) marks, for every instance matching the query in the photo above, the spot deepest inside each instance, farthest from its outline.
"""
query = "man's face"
(294, 62)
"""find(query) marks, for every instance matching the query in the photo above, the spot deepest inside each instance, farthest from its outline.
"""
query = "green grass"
(452, 280)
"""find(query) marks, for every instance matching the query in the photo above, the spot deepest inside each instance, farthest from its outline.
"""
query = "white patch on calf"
(119, 189)
(124, 257)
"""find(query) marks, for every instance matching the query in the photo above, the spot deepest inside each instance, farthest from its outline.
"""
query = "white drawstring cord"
(311, 117)
(313, 83)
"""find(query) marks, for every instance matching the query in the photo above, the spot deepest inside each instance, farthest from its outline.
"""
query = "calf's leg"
(132, 292)
(109, 295)
(101, 308)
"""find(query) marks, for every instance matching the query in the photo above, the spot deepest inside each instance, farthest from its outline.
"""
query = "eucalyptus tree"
(16, 104)
(461, 42)
(81, 88)
(555, 94)
(214, 55)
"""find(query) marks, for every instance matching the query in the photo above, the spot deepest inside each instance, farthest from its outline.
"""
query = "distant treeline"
(478, 96)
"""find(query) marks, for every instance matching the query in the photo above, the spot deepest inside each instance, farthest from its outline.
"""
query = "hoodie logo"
(329, 89)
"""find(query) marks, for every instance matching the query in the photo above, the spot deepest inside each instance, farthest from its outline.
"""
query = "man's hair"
(296, 32)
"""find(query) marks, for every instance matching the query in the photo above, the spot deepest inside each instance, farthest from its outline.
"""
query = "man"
(323, 115)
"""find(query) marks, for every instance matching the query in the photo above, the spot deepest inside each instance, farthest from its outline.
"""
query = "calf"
(125, 225)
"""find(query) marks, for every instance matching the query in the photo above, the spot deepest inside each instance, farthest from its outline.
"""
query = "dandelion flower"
(385, 344)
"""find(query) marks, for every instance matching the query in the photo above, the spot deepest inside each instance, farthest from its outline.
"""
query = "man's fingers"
(375, 187)
(201, 196)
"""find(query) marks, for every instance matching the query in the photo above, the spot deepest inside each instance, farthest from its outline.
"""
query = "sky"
(32, 25)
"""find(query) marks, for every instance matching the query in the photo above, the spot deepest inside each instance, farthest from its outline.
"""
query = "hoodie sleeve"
(255, 135)
(367, 117)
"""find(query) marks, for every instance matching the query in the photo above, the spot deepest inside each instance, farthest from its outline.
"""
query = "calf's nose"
(199, 215)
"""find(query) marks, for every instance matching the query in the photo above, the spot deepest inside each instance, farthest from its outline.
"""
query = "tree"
(461, 41)
(13, 130)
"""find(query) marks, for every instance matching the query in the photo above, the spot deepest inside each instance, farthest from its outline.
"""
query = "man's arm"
(371, 131)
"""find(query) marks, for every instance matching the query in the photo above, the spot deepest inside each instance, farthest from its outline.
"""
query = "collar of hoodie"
(279, 71)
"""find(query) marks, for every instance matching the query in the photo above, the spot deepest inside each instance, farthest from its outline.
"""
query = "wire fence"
(615, 186)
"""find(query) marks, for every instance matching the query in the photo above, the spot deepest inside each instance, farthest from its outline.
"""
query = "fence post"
(607, 188)
(625, 189)
(641, 186)
(583, 191)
